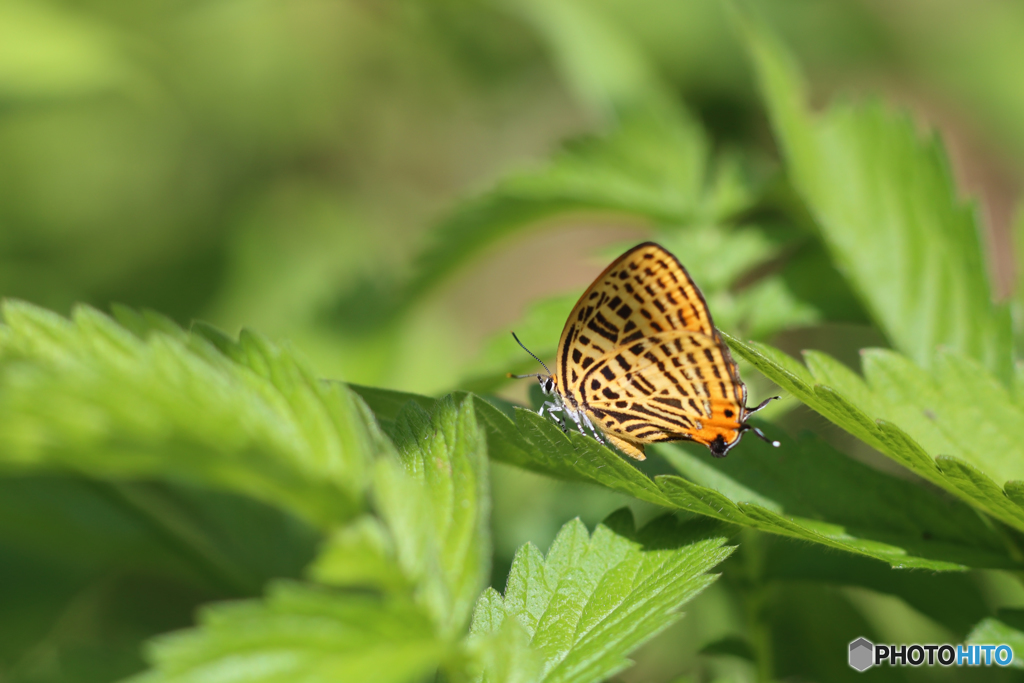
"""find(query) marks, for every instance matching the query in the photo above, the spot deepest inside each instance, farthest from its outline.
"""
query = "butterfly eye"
(546, 385)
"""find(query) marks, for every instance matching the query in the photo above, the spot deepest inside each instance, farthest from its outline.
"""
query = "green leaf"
(887, 208)
(654, 164)
(433, 503)
(361, 553)
(386, 404)
(439, 520)
(300, 632)
(52, 53)
(595, 598)
(805, 489)
(1006, 628)
(599, 61)
(403, 582)
(963, 602)
(499, 648)
(802, 490)
(86, 395)
(957, 426)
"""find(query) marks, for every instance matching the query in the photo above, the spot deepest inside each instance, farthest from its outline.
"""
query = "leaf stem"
(756, 596)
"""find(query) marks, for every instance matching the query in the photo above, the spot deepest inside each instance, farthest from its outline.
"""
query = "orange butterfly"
(640, 358)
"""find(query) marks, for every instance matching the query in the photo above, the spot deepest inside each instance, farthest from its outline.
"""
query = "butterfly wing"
(644, 292)
(668, 387)
(644, 301)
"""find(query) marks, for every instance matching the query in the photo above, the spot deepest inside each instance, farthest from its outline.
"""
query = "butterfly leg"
(553, 408)
(576, 416)
(596, 432)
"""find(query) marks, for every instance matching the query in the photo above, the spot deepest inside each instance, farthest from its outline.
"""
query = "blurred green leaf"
(404, 581)
(606, 69)
(887, 209)
(595, 598)
(301, 632)
(963, 602)
(47, 53)
(90, 570)
(916, 417)
(87, 396)
(499, 648)
(1005, 628)
(361, 553)
(654, 164)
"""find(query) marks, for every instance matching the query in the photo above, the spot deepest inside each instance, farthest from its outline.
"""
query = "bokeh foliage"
(378, 190)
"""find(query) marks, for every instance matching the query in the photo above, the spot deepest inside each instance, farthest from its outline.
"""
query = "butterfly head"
(548, 383)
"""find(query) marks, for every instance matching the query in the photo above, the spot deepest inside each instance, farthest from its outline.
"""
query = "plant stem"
(756, 598)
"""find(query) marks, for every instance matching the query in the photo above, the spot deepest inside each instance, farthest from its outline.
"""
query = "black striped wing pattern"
(640, 355)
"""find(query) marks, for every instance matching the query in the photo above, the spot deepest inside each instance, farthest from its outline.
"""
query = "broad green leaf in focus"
(596, 597)
(887, 208)
(956, 426)
(87, 396)
(751, 488)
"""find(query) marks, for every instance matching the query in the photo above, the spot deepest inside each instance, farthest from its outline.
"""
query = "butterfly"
(640, 358)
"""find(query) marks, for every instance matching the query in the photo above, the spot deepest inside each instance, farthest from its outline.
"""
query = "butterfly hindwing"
(670, 387)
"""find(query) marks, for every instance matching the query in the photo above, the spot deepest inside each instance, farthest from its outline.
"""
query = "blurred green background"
(280, 165)
(250, 162)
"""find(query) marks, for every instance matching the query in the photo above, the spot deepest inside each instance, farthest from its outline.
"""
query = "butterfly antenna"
(534, 357)
(764, 438)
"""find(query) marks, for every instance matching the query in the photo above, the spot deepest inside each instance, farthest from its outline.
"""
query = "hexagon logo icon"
(862, 654)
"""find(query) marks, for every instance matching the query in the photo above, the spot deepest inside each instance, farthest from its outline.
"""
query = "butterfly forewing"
(640, 354)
